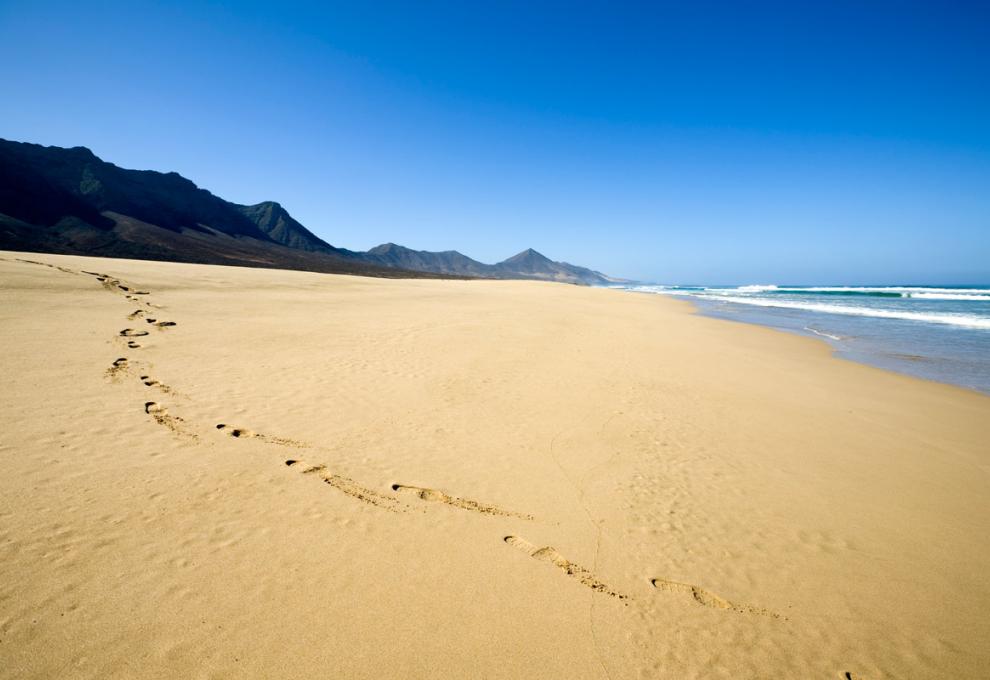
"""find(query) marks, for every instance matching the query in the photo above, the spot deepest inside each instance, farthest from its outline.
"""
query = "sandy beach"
(220, 472)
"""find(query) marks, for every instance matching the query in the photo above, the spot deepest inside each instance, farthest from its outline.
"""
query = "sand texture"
(216, 472)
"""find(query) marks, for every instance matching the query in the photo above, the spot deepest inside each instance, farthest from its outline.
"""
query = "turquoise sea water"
(939, 333)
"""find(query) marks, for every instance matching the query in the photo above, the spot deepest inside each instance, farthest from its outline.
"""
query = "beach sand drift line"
(550, 554)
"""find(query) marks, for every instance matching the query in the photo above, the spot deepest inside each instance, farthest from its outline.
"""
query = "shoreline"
(882, 354)
(234, 471)
(837, 352)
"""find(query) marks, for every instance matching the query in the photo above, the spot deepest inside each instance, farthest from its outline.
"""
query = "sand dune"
(222, 472)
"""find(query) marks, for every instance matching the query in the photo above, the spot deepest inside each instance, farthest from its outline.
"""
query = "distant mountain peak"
(527, 258)
(387, 248)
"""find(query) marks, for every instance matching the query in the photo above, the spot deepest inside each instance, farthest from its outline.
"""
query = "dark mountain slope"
(445, 262)
(528, 264)
(70, 201)
(531, 264)
(276, 222)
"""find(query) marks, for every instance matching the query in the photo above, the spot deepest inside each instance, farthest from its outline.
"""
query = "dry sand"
(490, 480)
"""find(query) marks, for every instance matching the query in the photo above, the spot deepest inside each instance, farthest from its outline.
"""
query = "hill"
(68, 200)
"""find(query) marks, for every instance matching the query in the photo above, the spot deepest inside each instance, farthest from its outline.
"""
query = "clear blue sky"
(681, 142)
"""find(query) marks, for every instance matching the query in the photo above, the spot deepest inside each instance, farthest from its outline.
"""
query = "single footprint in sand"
(131, 333)
(108, 282)
(244, 433)
(117, 367)
(709, 599)
(236, 432)
(151, 382)
(162, 417)
(135, 314)
(348, 486)
(133, 345)
(550, 555)
(433, 495)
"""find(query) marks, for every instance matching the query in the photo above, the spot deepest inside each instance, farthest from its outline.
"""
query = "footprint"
(117, 367)
(549, 554)
(131, 333)
(436, 496)
(108, 282)
(235, 431)
(348, 486)
(135, 314)
(151, 382)
(162, 417)
(244, 433)
(161, 324)
(709, 599)
(133, 345)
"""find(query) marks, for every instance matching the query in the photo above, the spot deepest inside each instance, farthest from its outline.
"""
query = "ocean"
(939, 333)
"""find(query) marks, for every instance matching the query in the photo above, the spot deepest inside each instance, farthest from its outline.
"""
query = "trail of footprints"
(121, 365)
(390, 503)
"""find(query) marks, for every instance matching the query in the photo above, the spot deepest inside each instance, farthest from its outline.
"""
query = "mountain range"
(67, 200)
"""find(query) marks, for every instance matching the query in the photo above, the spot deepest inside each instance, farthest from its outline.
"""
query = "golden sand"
(219, 472)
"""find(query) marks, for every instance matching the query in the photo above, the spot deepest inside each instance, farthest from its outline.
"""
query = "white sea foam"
(947, 318)
(888, 289)
(907, 292)
(756, 288)
(972, 297)
(823, 333)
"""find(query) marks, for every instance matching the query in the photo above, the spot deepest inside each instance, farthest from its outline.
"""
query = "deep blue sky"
(687, 142)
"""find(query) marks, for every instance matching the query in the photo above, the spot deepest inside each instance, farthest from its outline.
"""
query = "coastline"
(933, 352)
(487, 478)
(903, 367)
